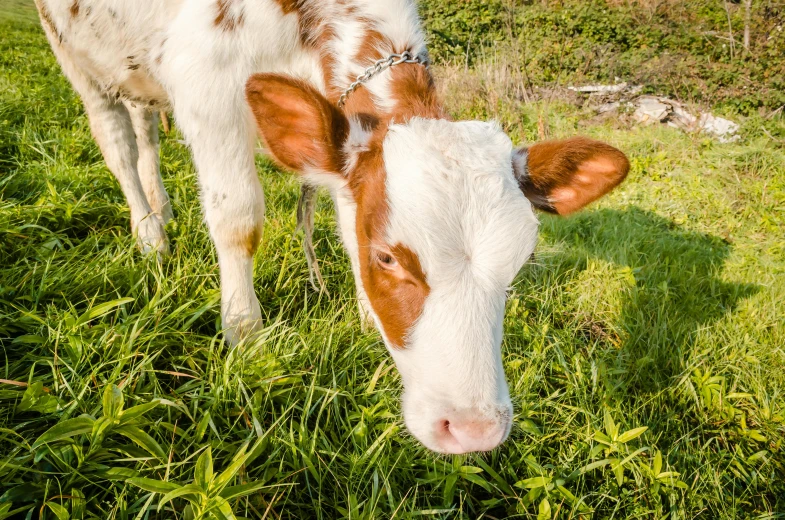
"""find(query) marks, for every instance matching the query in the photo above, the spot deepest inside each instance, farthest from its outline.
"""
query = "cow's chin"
(454, 429)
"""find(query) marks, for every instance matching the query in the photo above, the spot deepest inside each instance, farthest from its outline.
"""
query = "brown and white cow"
(437, 216)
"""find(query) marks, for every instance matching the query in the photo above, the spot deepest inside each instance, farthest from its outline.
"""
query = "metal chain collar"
(380, 66)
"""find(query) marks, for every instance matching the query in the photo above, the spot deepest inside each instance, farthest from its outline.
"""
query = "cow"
(437, 216)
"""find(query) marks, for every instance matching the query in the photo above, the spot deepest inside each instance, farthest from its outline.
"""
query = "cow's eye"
(386, 260)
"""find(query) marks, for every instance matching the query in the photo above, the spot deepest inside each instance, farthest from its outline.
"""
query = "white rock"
(681, 118)
(723, 129)
(608, 107)
(600, 89)
(654, 109)
(650, 110)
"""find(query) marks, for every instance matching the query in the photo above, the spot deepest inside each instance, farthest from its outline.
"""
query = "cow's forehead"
(452, 195)
(463, 149)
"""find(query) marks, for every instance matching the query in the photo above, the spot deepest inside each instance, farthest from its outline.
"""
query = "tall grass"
(644, 346)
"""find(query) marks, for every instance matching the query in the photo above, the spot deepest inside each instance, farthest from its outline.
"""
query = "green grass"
(658, 312)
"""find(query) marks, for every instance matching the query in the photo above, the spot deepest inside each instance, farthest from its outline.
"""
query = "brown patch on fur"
(369, 49)
(320, 39)
(315, 33)
(289, 6)
(244, 240)
(563, 176)
(308, 20)
(225, 19)
(251, 242)
(360, 104)
(398, 299)
(414, 92)
(396, 295)
(300, 127)
(74, 9)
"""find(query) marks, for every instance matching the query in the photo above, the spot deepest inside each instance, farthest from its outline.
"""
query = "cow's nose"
(459, 435)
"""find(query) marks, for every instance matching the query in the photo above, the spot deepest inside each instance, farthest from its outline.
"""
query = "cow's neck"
(407, 91)
(348, 36)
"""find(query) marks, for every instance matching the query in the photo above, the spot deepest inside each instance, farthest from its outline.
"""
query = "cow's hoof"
(151, 236)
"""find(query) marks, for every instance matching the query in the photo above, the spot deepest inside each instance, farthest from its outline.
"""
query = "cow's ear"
(564, 176)
(301, 128)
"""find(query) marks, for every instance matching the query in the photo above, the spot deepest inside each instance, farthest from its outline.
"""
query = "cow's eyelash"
(386, 258)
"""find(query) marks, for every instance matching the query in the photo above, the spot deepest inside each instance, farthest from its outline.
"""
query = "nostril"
(446, 438)
(467, 435)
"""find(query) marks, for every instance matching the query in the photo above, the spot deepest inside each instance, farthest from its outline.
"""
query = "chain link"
(380, 66)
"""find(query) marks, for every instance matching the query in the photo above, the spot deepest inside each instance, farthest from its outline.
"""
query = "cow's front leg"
(222, 139)
(233, 204)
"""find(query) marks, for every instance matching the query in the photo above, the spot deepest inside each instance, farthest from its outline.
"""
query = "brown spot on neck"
(315, 33)
(414, 92)
(412, 88)
(290, 6)
(74, 9)
(308, 19)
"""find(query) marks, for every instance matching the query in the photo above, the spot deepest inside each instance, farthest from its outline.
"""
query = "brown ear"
(299, 126)
(563, 176)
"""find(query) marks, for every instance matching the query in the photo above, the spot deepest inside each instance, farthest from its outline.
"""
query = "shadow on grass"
(678, 288)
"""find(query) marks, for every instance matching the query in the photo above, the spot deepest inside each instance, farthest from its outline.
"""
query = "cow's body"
(144, 51)
(435, 215)
(127, 59)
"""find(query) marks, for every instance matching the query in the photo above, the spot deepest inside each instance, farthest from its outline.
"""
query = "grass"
(690, 50)
(644, 347)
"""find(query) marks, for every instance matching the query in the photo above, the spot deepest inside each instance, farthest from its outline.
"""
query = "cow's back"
(137, 50)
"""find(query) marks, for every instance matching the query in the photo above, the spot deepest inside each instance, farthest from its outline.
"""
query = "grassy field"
(644, 347)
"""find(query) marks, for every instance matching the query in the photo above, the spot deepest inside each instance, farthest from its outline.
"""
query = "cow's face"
(444, 221)
(457, 229)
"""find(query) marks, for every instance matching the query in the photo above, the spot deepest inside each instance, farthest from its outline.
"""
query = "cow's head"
(444, 221)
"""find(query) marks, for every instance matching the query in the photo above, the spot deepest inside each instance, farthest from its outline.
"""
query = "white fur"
(452, 196)
(454, 201)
